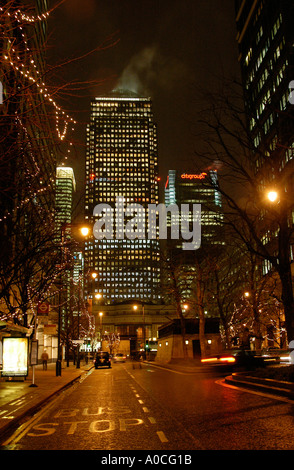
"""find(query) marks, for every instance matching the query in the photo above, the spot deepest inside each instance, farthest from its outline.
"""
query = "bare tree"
(246, 173)
(34, 137)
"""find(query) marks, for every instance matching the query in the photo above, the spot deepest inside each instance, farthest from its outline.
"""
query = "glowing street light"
(85, 231)
(135, 307)
(272, 196)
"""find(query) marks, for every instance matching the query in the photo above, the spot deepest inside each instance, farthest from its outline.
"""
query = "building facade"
(65, 187)
(134, 325)
(121, 172)
(183, 270)
(191, 188)
(265, 39)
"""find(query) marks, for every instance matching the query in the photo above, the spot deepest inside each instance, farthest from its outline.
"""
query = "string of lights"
(29, 70)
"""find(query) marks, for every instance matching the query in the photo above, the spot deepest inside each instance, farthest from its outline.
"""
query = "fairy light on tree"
(28, 260)
(34, 131)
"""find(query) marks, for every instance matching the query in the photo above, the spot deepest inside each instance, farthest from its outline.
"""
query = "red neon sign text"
(193, 177)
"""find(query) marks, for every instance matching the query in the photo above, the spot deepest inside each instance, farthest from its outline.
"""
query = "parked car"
(119, 357)
(102, 359)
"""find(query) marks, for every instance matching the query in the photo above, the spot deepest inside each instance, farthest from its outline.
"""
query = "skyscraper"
(65, 187)
(265, 38)
(190, 188)
(121, 165)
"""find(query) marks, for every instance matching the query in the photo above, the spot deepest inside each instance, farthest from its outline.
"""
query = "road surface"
(133, 407)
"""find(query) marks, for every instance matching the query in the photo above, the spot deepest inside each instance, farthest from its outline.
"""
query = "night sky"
(169, 50)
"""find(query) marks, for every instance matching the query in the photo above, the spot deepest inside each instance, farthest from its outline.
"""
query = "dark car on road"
(238, 358)
(102, 359)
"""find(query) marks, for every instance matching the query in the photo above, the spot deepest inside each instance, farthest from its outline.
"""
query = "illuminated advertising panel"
(15, 357)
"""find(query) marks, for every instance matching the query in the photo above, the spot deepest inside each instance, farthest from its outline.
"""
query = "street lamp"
(101, 316)
(272, 196)
(135, 307)
(84, 231)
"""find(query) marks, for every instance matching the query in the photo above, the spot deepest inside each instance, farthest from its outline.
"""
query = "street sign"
(43, 308)
(50, 329)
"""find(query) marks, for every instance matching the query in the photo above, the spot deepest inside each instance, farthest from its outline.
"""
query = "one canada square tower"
(121, 171)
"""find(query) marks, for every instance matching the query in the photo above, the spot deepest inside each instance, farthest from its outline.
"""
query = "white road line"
(171, 370)
(152, 420)
(162, 436)
(23, 429)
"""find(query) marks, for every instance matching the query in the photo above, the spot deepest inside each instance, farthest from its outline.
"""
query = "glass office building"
(265, 36)
(65, 187)
(192, 188)
(121, 166)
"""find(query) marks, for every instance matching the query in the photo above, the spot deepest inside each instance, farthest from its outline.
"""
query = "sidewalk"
(20, 399)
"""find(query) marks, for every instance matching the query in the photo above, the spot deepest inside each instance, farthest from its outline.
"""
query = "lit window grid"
(122, 161)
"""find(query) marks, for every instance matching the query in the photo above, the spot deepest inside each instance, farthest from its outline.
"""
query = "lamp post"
(135, 307)
(101, 316)
(84, 231)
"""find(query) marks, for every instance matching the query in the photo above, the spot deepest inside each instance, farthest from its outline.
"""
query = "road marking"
(162, 436)
(152, 420)
(23, 429)
(145, 409)
(172, 370)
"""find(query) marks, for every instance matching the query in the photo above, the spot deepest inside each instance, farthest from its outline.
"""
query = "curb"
(285, 389)
(10, 426)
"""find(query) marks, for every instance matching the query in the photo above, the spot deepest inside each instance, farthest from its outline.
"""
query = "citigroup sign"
(200, 176)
